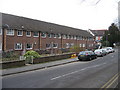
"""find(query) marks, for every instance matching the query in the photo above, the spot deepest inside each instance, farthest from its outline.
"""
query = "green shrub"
(76, 49)
(32, 53)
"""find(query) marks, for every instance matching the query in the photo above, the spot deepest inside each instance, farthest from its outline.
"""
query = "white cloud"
(65, 12)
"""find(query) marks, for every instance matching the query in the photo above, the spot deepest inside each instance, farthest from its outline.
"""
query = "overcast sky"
(72, 13)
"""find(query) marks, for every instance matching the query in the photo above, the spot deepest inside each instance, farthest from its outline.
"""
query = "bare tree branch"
(98, 2)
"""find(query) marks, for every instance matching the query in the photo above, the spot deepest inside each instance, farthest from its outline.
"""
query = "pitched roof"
(17, 22)
(99, 32)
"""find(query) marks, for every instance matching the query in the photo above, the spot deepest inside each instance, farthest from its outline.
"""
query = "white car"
(100, 52)
(109, 49)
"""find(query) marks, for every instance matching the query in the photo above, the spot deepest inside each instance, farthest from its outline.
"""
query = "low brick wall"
(18, 63)
(51, 58)
(11, 64)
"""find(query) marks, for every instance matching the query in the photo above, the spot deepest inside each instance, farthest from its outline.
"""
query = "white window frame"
(56, 44)
(54, 35)
(0, 31)
(20, 31)
(29, 48)
(64, 36)
(44, 34)
(67, 45)
(75, 37)
(11, 34)
(37, 33)
(71, 37)
(17, 48)
(50, 35)
(59, 36)
(67, 36)
(49, 46)
(80, 45)
(83, 45)
(28, 35)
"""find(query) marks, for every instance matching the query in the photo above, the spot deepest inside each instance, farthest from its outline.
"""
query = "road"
(98, 73)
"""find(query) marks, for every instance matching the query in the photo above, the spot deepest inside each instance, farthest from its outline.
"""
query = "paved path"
(36, 66)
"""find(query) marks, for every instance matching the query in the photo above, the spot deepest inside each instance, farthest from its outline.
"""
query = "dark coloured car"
(86, 55)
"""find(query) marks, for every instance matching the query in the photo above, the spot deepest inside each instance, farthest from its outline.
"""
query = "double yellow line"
(110, 82)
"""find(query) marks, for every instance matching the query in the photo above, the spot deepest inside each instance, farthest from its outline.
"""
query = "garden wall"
(19, 63)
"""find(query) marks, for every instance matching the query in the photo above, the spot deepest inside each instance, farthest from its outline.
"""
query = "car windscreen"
(82, 53)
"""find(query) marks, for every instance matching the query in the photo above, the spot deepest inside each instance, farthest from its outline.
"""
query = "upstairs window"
(28, 33)
(64, 36)
(43, 35)
(10, 32)
(54, 35)
(19, 33)
(50, 35)
(74, 37)
(67, 36)
(18, 46)
(35, 34)
(59, 35)
(71, 37)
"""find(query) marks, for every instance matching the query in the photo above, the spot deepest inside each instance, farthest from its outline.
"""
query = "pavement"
(32, 67)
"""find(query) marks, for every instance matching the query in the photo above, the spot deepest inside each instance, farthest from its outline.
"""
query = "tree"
(111, 36)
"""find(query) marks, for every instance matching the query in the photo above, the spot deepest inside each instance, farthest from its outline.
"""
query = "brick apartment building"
(98, 35)
(20, 33)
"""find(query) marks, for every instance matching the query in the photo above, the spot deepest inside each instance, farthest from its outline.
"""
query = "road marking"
(110, 82)
(76, 71)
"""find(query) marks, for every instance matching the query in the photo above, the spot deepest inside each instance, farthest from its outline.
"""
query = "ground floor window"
(83, 45)
(29, 46)
(67, 45)
(18, 46)
(80, 45)
(48, 46)
(55, 45)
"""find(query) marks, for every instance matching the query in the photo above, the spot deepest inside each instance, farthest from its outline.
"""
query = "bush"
(76, 49)
(32, 53)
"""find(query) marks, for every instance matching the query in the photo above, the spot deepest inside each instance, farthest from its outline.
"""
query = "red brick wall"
(9, 41)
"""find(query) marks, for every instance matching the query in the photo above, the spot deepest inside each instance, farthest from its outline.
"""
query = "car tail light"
(86, 53)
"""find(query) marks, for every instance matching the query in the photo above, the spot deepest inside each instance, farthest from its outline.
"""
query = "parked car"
(100, 52)
(109, 49)
(87, 55)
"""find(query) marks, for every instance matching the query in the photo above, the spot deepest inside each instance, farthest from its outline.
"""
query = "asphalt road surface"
(98, 73)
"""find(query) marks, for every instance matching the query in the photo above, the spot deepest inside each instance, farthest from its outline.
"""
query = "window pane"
(19, 33)
(36, 34)
(18, 46)
(10, 32)
(29, 46)
(28, 33)
(49, 35)
(48, 46)
(43, 34)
